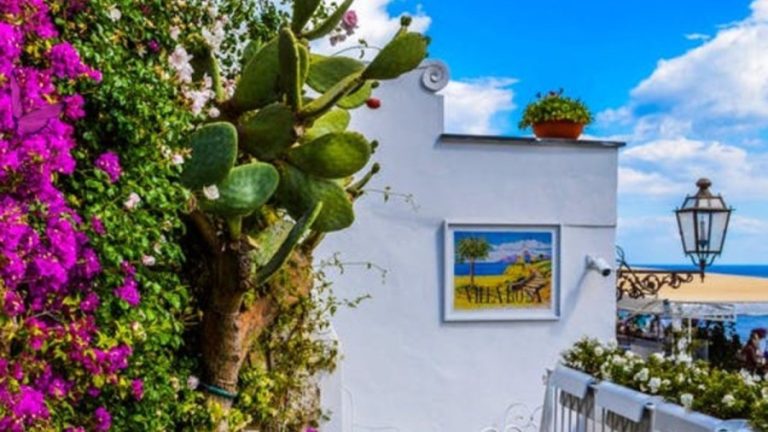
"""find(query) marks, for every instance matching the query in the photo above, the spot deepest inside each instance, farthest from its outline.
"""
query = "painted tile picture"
(500, 272)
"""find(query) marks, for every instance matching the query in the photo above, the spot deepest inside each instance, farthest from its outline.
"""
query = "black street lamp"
(703, 223)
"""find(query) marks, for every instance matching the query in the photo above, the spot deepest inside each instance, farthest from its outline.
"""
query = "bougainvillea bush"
(105, 275)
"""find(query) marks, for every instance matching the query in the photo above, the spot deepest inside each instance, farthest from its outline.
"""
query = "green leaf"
(214, 149)
(246, 188)
(330, 23)
(268, 132)
(334, 155)
(302, 227)
(258, 85)
(300, 192)
(336, 120)
(325, 72)
(402, 54)
(290, 65)
(302, 12)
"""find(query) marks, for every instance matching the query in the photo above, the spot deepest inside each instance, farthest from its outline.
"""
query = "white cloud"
(670, 166)
(642, 223)
(719, 85)
(748, 225)
(759, 10)
(473, 106)
(701, 114)
(718, 89)
(636, 182)
(697, 36)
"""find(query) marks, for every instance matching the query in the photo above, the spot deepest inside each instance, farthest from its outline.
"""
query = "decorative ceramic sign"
(500, 272)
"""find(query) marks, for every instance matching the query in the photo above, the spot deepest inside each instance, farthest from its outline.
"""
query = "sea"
(744, 322)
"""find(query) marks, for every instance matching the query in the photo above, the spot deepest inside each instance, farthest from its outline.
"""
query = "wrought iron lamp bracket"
(641, 283)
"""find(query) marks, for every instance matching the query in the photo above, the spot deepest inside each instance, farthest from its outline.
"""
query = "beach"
(721, 288)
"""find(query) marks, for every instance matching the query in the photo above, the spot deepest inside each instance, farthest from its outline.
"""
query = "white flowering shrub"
(678, 379)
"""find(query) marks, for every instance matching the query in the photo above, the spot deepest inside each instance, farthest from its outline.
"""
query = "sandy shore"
(721, 288)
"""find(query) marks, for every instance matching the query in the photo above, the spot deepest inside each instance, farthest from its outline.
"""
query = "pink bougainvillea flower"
(90, 303)
(129, 291)
(109, 162)
(31, 403)
(103, 419)
(137, 389)
(153, 46)
(66, 62)
(73, 107)
(98, 226)
(13, 305)
(34, 120)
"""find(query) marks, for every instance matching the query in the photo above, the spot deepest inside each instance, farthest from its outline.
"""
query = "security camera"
(599, 264)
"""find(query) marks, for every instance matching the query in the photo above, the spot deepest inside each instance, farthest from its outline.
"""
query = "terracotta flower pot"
(558, 129)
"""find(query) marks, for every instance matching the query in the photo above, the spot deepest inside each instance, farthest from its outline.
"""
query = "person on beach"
(751, 354)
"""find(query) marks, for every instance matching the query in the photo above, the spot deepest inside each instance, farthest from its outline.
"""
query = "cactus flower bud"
(373, 103)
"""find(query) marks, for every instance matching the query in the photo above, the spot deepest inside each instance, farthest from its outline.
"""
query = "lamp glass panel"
(719, 226)
(685, 220)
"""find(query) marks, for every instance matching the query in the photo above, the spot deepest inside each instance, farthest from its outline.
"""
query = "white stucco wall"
(404, 368)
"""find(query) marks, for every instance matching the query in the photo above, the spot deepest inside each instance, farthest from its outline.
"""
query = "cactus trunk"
(223, 332)
(230, 328)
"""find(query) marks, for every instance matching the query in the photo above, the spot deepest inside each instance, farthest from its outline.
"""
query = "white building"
(405, 368)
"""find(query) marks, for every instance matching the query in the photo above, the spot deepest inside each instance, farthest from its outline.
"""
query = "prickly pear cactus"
(273, 119)
(276, 172)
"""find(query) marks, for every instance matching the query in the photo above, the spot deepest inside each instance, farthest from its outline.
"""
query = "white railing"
(576, 402)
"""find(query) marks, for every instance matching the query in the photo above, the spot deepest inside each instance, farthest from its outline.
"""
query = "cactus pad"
(325, 72)
(300, 192)
(304, 63)
(298, 231)
(333, 155)
(267, 241)
(402, 54)
(245, 189)
(327, 100)
(336, 120)
(290, 67)
(258, 84)
(214, 149)
(302, 12)
(249, 51)
(268, 132)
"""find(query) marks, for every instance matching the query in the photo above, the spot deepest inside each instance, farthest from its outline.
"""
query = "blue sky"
(683, 82)
(505, 245)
